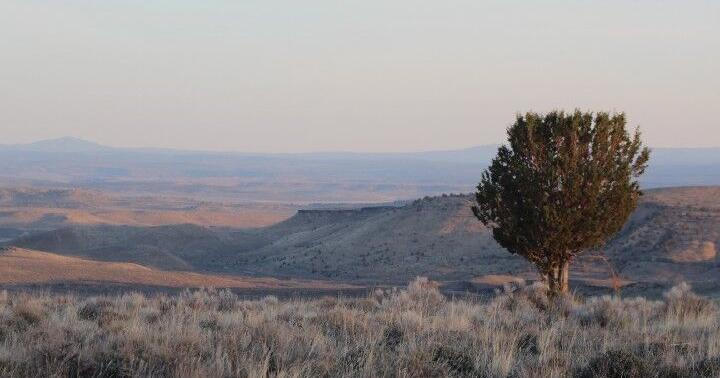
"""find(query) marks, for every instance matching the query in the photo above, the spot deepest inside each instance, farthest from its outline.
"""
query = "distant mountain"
(63, 145)
(470, 155)
(326, 177)
(683, 167)
(59, 198)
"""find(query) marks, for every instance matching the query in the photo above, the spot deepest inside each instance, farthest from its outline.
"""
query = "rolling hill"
(171, 247)
(673, 236)
(24, 267)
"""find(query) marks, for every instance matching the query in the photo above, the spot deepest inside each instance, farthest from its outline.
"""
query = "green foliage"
(563, 184)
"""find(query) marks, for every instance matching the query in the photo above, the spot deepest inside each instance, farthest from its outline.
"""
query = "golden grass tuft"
(415, 332)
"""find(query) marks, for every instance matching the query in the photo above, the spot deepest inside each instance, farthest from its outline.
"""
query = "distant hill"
(59, 145)
(296, 178)
(31, 209)
(27, 267)
(57, 198)
(171, 247)
(673, 236)
(436, 237)
(673, 167)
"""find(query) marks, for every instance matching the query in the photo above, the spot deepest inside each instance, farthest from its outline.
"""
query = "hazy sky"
(366, 75)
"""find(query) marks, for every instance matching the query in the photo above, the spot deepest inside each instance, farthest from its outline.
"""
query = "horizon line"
(348, 152)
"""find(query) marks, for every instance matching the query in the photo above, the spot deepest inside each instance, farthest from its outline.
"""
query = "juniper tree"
(563, 184)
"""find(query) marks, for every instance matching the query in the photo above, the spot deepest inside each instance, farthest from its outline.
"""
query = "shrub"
(27, 313)
(709, 367)
(421, 294)
(209, 323)
(603, 311)
(108, 364)
(226, 301)
(392, 336)
(681, 303)
(528, 343)
(616, 364)
(91, 310)
(414, 332)
(459, 362)
(352, 360)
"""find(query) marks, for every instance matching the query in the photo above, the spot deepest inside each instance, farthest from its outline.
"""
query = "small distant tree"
(564, 183)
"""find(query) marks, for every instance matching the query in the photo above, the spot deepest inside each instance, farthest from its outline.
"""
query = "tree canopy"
(564, 183)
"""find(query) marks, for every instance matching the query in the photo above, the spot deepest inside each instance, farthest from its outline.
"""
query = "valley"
(672, 237)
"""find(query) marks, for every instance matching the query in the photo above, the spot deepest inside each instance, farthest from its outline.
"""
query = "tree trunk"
(558, 279)
(565, 277)
(553, 281)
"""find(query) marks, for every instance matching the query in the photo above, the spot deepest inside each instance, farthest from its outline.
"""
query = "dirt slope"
(172, 247)
(23, 266)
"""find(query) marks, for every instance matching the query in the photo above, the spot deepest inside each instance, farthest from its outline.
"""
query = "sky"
(365, 75)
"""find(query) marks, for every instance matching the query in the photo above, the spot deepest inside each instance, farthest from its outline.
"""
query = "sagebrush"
(415, 332)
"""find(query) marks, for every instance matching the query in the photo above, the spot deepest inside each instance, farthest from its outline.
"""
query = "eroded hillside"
(673, 236)
(436, 237)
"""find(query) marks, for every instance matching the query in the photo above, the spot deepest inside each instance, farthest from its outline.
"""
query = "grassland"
(415, 332)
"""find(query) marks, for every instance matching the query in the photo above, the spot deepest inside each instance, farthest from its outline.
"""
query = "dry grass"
(415, 332)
